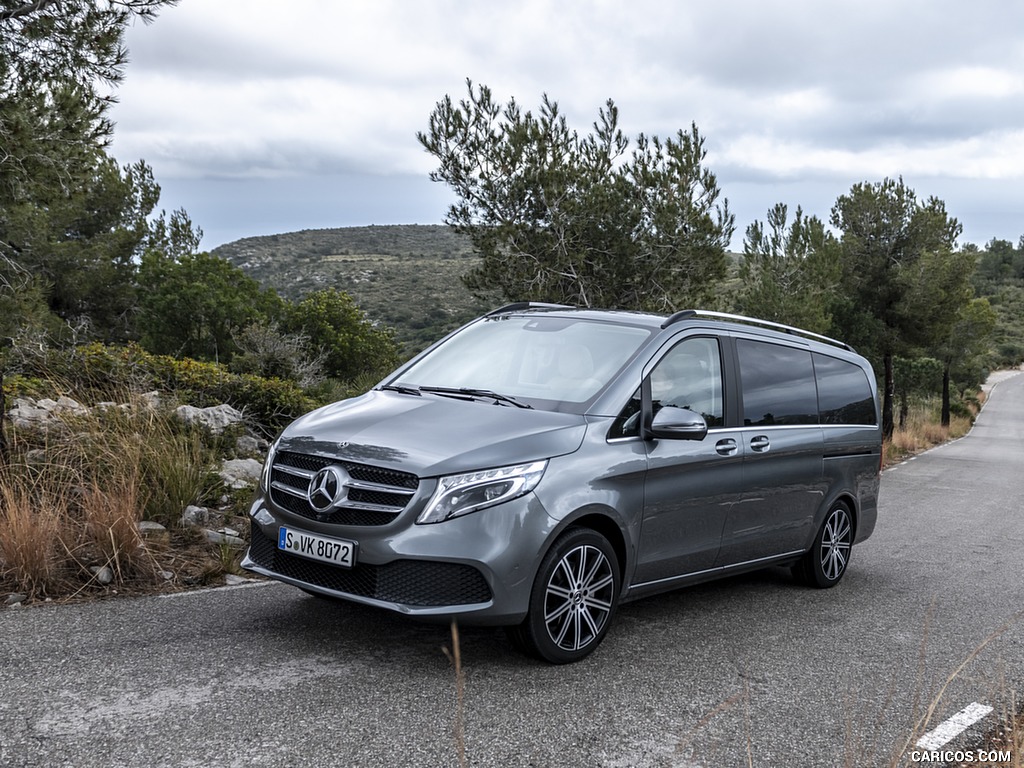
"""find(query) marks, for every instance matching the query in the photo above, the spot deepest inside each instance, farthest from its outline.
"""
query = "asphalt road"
(750, 671)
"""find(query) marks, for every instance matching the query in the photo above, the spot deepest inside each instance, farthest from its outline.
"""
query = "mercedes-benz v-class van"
(542, 465)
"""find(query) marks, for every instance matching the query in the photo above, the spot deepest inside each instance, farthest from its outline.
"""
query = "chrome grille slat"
(364, 486)
(370, 507)
(305, 473)
(278, 486)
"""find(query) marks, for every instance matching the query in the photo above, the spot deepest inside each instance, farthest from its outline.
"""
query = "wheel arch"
(851, 504)
(601, 522)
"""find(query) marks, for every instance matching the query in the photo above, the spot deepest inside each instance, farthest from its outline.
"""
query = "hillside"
(406, 277)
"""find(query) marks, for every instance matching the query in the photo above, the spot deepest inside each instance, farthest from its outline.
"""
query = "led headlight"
(461, 494)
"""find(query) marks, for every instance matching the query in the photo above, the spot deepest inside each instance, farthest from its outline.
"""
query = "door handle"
(760, 443)
(726, 447)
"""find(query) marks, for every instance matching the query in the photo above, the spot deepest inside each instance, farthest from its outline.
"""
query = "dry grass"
(32, 534)
(923, 431)
(110, 527)
(71, 501)
(455, 657)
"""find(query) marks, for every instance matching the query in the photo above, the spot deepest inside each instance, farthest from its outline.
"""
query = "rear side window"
(844, 394)
(777, 383)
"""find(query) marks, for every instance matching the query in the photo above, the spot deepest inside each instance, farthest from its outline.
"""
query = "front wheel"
(824, 565)
(573, 599)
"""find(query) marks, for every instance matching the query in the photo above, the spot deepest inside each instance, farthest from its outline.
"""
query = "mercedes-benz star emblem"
(327, 489)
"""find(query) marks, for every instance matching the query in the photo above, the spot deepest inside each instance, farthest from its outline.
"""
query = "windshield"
(539, 358)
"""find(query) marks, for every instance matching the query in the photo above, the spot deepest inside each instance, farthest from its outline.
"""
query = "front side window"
(777, 384)
(543, 359)
(689, 376)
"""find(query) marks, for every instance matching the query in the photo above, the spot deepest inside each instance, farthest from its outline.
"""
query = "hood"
(431, 435)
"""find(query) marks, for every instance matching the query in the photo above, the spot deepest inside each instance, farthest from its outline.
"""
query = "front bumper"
(479, 567)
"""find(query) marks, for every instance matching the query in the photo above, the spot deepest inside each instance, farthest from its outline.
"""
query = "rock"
(150, 400)
(194, 515)
(102, 573)
(66, 404)
(247, 445)
(36, 457)
(43, 414)
(216, 418)
(216, 537)
(241, 473)
(154, 534)
(15, 599)
(27, 414)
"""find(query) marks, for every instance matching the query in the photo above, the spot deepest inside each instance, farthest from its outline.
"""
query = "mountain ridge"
(403, 276)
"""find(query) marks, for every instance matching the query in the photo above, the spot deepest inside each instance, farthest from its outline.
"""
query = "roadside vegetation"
(93, 499)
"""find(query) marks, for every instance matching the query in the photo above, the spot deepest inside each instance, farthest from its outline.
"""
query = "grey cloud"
(878, 67)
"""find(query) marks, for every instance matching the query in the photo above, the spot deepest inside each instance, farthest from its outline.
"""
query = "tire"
(826, 562)
(573, 599)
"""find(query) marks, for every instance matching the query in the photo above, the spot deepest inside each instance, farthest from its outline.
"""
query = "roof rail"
(687, 314)
(518, 305)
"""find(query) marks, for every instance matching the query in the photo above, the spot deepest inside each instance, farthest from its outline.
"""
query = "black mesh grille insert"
(339, 517)
(409, 582)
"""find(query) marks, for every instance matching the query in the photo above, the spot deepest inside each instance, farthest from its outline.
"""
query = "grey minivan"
(543, 464)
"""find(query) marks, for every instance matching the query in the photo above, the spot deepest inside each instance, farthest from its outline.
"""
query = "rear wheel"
(573, 599)
(824, 565)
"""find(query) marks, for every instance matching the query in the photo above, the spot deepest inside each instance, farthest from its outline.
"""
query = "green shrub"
(96, 372)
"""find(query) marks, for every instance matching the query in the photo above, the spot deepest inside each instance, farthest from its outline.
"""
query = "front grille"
(408, 582)
(374, 496)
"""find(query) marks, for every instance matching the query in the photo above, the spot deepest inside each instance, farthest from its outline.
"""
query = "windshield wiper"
(405, 389)
(471, 392)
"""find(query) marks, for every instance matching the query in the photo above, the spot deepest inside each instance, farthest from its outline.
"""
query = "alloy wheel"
(579, 597)
(835, 544)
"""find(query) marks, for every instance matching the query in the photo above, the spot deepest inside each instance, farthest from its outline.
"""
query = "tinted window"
(844, 394)
(777, 383)
(690, 376)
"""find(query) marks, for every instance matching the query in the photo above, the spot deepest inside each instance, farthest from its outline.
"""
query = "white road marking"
(226, 588)
(953, 727)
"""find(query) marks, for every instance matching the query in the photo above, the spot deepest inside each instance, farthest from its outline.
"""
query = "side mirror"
(674, 423)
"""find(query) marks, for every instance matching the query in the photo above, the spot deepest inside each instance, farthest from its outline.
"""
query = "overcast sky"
(262, 117)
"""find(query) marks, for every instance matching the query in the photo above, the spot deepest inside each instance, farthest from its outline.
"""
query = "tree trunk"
(890, 389)
(945, 394)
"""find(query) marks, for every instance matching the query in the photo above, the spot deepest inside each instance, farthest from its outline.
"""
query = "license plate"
(315, 547)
